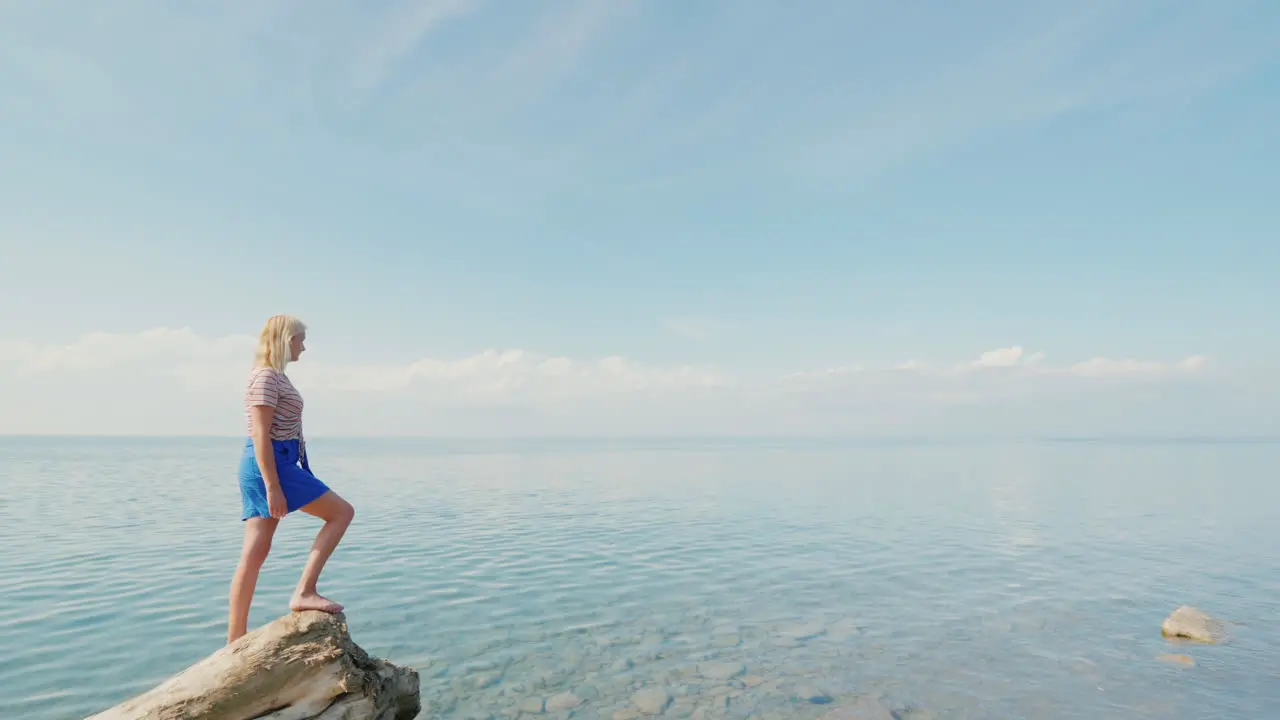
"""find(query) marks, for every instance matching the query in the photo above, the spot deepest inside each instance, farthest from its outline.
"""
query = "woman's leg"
(258, 532)
(337, 515)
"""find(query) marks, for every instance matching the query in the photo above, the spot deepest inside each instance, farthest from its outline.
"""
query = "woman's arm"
(263, 451)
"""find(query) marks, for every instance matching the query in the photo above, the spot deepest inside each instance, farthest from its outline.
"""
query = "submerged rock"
(563, 701)
(864, 708)
(843, 629)
(802, 631)
(1184, 660)
(812, 694)
(721, 670)
(726, 641)
(533, 705)
(1193, 624)
(651, 701)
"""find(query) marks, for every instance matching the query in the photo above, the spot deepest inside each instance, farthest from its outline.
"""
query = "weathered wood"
(303, 666)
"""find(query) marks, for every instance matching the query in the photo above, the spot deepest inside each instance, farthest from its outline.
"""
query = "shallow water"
(943, 580)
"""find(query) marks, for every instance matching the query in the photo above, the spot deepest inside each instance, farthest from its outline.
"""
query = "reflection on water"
(714, 580)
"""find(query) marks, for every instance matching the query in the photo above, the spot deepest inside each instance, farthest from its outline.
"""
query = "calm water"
(946, 581)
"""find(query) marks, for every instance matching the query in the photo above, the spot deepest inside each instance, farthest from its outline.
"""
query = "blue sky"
(727, 190)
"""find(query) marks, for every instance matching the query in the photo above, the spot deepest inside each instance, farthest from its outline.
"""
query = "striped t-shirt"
(267, 386)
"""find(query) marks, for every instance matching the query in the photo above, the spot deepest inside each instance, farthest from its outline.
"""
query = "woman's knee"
(257, 555)
(257, 540)
(256, 550)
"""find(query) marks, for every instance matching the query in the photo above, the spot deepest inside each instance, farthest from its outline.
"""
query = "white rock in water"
(563, 701)
(721, 670)
(651, 701)
(1194, 624)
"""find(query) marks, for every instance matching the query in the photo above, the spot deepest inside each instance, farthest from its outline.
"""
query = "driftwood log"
(303, 666)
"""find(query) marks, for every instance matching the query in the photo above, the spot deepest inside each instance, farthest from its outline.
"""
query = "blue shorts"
(299, 485)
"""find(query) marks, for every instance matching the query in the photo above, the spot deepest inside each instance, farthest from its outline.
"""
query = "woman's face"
(296, 345)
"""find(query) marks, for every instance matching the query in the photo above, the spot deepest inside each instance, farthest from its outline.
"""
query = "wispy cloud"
(397, 33)
(1039, 62)
(1108, 367)
(704, 111)
(556, 44)
(1014, 362)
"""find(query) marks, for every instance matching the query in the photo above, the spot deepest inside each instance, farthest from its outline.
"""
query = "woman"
(273, 484)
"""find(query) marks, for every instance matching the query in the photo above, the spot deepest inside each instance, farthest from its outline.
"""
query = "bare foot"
(313, 601)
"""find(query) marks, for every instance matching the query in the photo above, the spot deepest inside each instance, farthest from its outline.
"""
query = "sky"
(614, 217)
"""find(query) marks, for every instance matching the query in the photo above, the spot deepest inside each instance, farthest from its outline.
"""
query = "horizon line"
(1010, 438)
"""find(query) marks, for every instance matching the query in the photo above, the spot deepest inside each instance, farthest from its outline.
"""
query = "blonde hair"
(273, 341)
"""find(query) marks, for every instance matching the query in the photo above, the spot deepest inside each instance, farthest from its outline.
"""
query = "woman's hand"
(276, 503)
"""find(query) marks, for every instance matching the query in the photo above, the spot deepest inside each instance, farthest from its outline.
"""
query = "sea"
(925, 578)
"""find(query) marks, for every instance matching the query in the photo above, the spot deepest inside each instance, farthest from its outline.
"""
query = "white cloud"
(1002, 357)
(1107, 367)
(176, 381)
(158, 347)
(1097, 367)
(511, 374)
